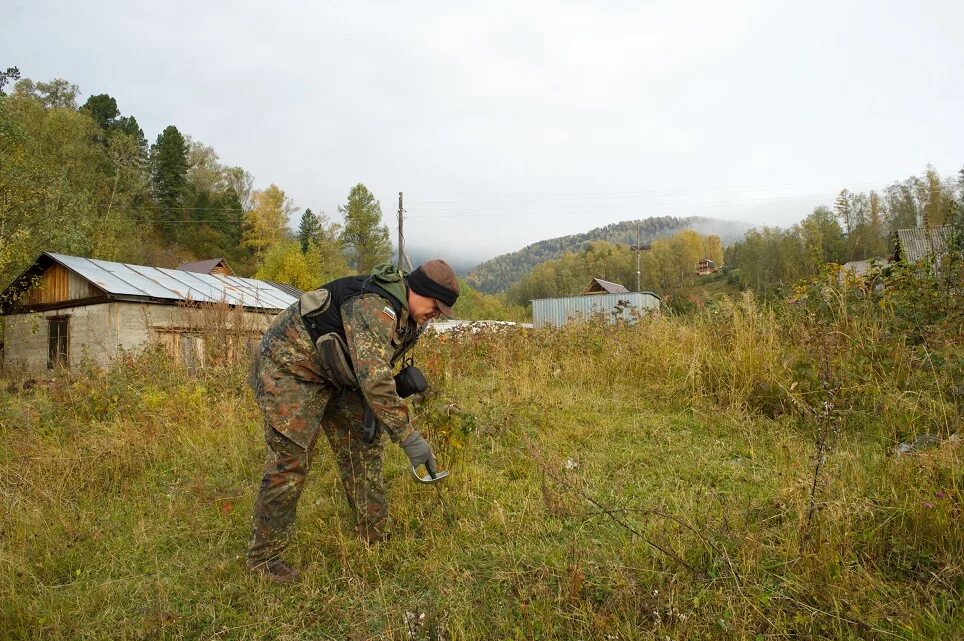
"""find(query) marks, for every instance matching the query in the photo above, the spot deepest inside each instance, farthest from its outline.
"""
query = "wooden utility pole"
(402, 259)
(639, 248)
(637, 255)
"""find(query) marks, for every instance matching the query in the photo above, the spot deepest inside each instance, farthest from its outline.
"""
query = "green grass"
(709, 287)
(125, 501)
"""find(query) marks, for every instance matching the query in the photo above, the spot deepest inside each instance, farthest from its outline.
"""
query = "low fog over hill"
(497, 274)
(419, 255)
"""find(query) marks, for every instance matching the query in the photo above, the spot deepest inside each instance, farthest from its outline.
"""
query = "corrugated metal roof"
(917, 244)
(250, 289)
(128, 281)
(285, 287)
(862, 267)
(606, 286)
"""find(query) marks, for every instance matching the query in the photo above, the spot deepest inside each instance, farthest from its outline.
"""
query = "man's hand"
(419, 452)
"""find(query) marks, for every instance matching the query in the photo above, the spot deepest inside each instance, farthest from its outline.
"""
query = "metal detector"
(431, 479)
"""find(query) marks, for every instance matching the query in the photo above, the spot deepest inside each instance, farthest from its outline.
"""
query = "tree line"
(82, 179)
(859, 226)
(502, 272)
(667, 264)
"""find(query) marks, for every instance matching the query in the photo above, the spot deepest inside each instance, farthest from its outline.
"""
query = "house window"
(192, 351)
(57, 344)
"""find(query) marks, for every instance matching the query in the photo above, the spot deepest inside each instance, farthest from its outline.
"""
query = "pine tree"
(169, 171)
(129, 126)
(308, 230)
(363, 233)
(103, 109)
(875, 222)
(11, 74)
(842, 207)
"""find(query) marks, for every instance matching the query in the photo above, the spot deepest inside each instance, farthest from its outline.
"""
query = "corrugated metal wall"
(559, 311)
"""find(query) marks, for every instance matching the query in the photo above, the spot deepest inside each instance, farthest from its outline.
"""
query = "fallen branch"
(612, 514)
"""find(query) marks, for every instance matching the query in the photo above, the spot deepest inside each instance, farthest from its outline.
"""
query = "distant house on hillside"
(858, 271)
(705, 267)
(65, 309)
(860, 268)
(219, 266)
(600, 286)
(210, 266)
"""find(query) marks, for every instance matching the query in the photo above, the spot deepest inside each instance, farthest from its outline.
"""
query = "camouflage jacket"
(375, 346)
(287, 369)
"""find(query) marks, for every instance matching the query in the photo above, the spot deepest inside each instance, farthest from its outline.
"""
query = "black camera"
(410, 381)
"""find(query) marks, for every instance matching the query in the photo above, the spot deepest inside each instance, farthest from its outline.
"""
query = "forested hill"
(497, 274)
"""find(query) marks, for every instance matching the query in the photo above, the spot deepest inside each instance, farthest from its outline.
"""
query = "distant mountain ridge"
(499, 273)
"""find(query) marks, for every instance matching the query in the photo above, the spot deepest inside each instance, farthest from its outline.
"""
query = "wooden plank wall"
(58, 284)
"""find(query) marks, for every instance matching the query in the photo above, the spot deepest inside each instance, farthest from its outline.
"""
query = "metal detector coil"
(430, 479)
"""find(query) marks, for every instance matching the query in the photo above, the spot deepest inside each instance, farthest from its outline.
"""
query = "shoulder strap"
(374, 288)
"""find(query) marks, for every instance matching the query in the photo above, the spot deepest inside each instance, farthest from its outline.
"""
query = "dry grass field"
(731, 474)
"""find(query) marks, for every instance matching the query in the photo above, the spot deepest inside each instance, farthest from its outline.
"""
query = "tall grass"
(609, 482)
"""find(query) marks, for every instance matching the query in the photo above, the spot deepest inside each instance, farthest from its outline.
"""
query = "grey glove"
(419, 452)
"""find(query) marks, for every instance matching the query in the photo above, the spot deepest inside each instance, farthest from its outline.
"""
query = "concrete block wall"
(91, 332)
(98, 332)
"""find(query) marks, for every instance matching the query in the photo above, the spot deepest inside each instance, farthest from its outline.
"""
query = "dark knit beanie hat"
(436, 279)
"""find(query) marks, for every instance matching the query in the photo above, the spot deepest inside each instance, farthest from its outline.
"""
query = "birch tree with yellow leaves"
(267, 222)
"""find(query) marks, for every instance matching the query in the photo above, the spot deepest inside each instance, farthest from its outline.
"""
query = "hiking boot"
(276, 571)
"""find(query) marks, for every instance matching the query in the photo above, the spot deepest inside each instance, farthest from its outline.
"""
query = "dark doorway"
(57, 353)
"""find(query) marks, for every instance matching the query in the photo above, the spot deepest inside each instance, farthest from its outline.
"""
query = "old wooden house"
(65, 309)
(705, 267)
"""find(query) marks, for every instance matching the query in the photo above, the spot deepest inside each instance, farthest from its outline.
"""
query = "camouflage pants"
(359, 464)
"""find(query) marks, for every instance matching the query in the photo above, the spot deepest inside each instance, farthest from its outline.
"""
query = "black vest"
(344, 289)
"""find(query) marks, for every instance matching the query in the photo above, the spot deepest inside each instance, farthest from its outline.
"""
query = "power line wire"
(607, 209)
(582, 195)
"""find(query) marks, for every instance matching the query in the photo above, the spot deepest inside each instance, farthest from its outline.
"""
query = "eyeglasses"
(437, 310)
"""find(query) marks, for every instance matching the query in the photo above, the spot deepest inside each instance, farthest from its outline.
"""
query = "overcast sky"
(508, 122)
